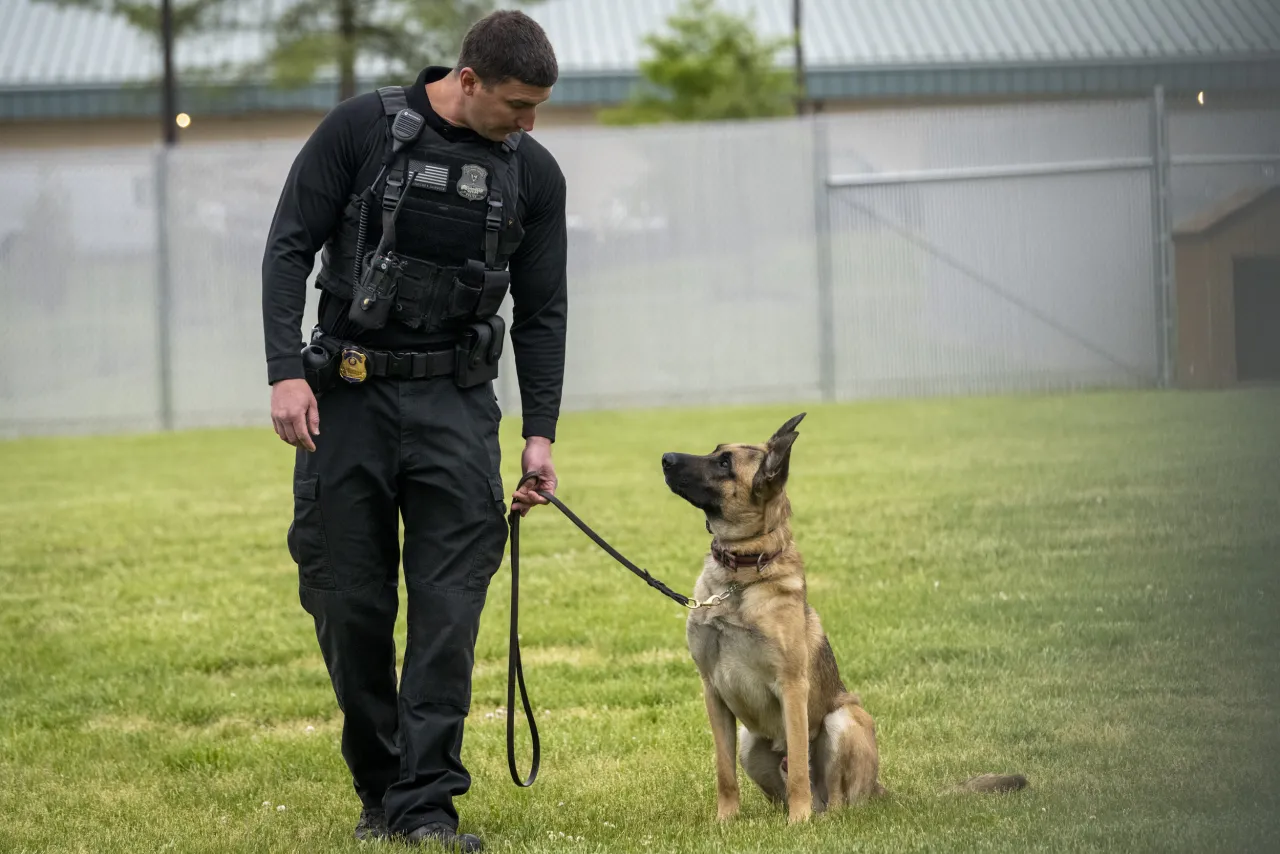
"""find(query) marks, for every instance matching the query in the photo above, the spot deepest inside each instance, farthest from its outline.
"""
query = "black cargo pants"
(427, 451)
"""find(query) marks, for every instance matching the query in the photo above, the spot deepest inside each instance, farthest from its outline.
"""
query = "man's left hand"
(536, 458)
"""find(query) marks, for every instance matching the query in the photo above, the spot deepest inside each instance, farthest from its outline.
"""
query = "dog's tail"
(993, 783)
(847, 698)
(983, 783)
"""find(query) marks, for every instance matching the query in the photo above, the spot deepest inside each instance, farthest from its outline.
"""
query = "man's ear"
(468, 80)
(772, 474)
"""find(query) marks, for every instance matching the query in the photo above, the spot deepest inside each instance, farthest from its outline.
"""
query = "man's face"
(500, 109)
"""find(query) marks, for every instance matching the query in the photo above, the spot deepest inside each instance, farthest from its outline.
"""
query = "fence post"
(507, 388)
(1165, 290)
(164, 290)
(822, 222)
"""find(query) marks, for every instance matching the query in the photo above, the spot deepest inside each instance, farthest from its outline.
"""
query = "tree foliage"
(404, 34)
(313, 36)
(189, 16)
(713, 65)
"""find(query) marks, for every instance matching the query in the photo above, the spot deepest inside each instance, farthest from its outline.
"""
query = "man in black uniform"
(429, 202)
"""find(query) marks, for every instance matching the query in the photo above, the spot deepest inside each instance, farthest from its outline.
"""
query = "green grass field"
(1080, 588)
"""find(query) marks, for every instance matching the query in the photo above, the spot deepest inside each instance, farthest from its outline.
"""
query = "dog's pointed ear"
(772, 474)
(789, 427)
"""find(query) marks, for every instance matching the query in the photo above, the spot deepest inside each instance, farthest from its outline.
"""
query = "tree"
(406, 34)
(189, 16)
(184, 17)
(310, 36)
(712, 66)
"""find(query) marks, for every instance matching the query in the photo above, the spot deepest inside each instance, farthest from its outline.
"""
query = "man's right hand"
(294, 413)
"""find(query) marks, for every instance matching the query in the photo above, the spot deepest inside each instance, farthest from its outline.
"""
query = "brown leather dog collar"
(733, 562)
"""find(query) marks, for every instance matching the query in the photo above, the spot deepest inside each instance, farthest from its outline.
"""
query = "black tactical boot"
(442, 834)
(372, 824)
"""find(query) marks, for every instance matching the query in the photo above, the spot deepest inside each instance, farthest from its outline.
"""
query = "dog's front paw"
(726, 809)
(799, 813)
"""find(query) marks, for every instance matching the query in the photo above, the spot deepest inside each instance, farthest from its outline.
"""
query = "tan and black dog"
(763, 656)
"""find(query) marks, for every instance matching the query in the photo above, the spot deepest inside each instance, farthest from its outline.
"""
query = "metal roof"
(607, 34)
(57, 60)
(47, 45)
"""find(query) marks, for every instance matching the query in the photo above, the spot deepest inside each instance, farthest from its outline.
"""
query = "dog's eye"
(726, 461)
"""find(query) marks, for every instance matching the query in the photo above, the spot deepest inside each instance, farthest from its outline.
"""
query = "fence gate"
(1000, 249)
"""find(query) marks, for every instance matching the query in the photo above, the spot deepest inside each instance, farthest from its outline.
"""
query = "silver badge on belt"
(472, 183)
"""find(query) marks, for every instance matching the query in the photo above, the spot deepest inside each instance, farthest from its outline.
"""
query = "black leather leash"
(514, 670)
(515, 673)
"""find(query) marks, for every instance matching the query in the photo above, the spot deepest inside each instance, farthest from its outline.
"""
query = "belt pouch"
(319, 366)
(473, 361)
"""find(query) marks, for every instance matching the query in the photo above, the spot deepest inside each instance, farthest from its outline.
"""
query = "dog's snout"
(668, 460)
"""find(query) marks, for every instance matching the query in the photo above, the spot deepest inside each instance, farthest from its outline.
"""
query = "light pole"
(164, 295)
(796, 30)
(168, 99)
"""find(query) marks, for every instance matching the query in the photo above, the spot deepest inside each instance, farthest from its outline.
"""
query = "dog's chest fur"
(739, 661)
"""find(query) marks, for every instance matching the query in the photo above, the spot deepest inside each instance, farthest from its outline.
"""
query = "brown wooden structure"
(1227, 269)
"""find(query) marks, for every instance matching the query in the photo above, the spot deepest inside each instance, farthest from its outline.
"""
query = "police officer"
(428, 203)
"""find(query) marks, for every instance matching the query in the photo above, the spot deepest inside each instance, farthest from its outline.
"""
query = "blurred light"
(1200, 98)
(183, 120)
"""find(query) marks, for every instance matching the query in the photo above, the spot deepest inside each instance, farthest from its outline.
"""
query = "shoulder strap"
(404, 128)
(501, 205)
(402, 122)
(405, 125)
(393, 99)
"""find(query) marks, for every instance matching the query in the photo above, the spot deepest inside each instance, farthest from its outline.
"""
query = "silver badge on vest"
(471, 185)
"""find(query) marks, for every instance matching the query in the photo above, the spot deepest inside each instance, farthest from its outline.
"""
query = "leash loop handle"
(515, 671)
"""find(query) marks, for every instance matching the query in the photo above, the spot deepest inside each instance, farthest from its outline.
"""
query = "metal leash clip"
(694, 604)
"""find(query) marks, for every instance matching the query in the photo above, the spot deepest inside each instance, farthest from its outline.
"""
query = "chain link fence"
(913, 251)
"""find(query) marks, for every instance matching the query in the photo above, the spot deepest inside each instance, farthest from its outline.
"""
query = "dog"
(760, 650)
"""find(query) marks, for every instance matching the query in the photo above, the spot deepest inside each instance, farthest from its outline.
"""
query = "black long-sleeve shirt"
(340, 159)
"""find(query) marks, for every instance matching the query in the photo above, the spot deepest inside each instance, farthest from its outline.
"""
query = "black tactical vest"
(450, 225)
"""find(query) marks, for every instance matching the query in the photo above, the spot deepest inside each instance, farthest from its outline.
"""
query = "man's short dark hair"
(506, 44)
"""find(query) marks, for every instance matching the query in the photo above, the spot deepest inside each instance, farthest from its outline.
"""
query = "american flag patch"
(433, 176)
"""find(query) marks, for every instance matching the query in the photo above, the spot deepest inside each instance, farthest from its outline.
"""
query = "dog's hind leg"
(763, 765)
(828, 778)
(851, 756)
(762, 755)
(725, 736)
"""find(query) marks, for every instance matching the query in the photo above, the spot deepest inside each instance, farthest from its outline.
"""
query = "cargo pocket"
(499, 497)
(307, 543)
(487, 556)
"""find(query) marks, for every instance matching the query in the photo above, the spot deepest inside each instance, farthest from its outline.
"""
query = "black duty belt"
(356, 363)
(410, 366)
